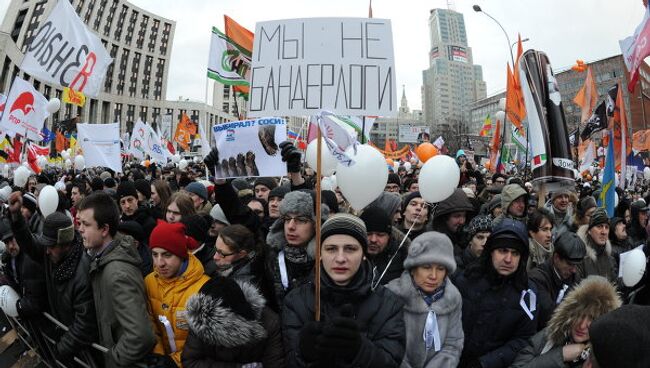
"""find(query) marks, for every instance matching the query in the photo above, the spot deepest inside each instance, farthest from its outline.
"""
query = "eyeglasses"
(301, 220)
(222, 254)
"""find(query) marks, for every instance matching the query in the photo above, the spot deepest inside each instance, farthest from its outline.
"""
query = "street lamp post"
(479, 10)
(522, 41)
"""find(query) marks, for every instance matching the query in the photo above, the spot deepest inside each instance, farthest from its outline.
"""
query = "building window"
(147, 76)
(100, 12)
(120, 23)
(109, 18)
(122, 72)
(133, 81)
(165, 38)
(131, 27)
(130, 112)
(154, 35)
(34, 23)
(18, 24)
(108, 82)
(118, 111)
(143, 30)
(160, 71)
(89, 11)
(143, 113)
(80, 6)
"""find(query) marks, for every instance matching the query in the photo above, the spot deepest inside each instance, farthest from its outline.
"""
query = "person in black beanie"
(415, 215)
(197, 228)
(143, 188)
(394, 183)
(359, 327)
(140, 241)
(263, 186)
(127, 198)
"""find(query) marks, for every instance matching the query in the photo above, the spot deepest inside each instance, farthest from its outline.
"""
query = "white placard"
(250, 148)
(412, 134)
(101, 145)
(304, 66)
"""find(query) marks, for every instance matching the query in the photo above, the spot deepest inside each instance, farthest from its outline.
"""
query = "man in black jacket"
(557, 276)
(66, 274)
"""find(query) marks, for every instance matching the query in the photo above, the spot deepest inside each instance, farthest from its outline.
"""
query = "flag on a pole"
(494, 148)
(487, 127)
(622, 144)
(636, 48)
(48, 136)
(61, 141)
(184, 131)
(587, 97)
(588, 157)
(597, 122)
(32, 160)
(26, 111)
(228, 62)
(244, 38)
(205, 145)
(607, 196)
(515, 107)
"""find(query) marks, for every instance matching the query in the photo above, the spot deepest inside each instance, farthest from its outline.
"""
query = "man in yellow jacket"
(176, 277)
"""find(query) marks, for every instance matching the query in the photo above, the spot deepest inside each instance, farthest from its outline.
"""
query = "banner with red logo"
(24, 111)
(66, 53)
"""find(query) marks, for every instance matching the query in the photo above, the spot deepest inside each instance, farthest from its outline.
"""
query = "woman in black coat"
(358, 327)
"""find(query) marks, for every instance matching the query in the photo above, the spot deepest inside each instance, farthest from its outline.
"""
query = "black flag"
(597, 122)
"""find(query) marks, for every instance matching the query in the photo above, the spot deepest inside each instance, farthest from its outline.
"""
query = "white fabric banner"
(145, 141)
(590, 157)
(25, 112)
(101, 145)
(250, 147)
(64, 52)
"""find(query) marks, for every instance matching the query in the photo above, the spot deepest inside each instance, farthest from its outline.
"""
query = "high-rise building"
(135, 85)
(452, 81)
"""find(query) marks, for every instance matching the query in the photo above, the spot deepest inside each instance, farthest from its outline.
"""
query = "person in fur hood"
(565, 342)
(432, 304)
(230, 325)
(599, 260)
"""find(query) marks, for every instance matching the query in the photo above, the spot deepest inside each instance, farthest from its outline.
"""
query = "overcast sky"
(565, 30)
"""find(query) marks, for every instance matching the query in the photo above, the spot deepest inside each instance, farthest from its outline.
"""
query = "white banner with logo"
(64, 52)
(250, 148)
(101, 145)
(25, 111)
(145, 141)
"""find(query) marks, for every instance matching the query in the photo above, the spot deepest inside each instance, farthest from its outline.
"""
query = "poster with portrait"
(250, 148)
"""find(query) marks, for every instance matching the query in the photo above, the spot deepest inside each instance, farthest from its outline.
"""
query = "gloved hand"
(340, 338)
(291, 156)
(212, 159)
(308, 341)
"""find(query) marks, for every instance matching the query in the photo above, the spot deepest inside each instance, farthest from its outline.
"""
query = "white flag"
(138, 140)
(25, 111)
(205, 145)
(589, 158)
(64, 52)
(154, 147)
(101, 145)
(228, 63)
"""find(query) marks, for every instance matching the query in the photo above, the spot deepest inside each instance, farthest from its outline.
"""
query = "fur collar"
(276, 240)
(591, 247)
(413, 302)
(220, 326)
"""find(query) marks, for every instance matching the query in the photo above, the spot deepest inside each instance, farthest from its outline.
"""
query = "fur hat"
(346, 224)
(431, 247)
(620, 337)
(593, 297)
(298, 203)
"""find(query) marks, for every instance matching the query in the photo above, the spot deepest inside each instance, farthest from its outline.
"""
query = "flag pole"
(318, 230)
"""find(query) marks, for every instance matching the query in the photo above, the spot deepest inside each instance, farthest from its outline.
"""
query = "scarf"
(66, 269)
(433, 297)
(297, 255)
(430, 333)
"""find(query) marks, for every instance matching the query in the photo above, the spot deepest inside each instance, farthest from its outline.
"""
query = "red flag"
(32, 159)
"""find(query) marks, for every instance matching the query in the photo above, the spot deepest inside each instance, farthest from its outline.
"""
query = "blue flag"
(48, 136)
(608, 195)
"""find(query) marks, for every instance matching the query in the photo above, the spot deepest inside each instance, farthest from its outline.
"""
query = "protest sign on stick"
(249, 148)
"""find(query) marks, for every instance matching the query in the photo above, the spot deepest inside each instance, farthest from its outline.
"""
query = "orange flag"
(242, 37)
(183, 133)
(494, 147)
(587, 97)
(515, 107)
(641, 140)
(622, 146)
(60, 142)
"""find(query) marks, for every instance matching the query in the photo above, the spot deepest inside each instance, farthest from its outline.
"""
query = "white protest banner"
(154, 146)
(145, 141)
(101, 145)
(63, 51)
(250, 147)
(304, 66)
(25, 112)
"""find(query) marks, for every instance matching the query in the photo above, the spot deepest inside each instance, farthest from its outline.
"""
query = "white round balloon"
(8, 300)
(176, 158)
(633, 267)
(79, 162)
(327, 161)
(65, 155)
(438, 178)
(407, 166)
(20, 176)
(646, 173)
(364, 181)
(182, 164)
(48, 200)
(53, 105)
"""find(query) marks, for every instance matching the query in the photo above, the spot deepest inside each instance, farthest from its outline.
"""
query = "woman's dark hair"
(104, 208)
(535, 219)
(164, 193)
(238, 238)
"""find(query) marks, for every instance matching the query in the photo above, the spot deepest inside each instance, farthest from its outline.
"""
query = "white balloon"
(182, 164)
(327, 161)
(646, 173)
(6, 191)
(438, 178)
(633, 267)
(407, 166)
(326, 184)
(48, 200)
(53, 105)
(8, 300)
(500, 115)
(364, 181)
(65, 155)
(502, 104)
(79, 162)
(20, 176)
(176, 158)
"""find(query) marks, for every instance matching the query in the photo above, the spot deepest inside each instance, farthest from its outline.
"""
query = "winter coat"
(69, 292)
(599, 260)
(378, 314)
(450, 327)
(464, 259)
(620, 246)
(495, 325)
(549, 286)
(167, 298)
(457, 202)
(121, 304)
(205, 208)
(205, 255)
(26, 277)
(561, 222)
(538, 254)
(221, 337)
(508, 195)
(380, 261)
(143, 217)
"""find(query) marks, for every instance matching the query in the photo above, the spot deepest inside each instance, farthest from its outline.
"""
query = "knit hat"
(170, 237)
(125, 189)
(267, 182)
(109, 183)
(143, 187)
(344, 223)
(478, 224)
(5, 230)
(431, 247)
(408, 198)
(196, 227)
(198, 189)
(96, 183)
(376, 220)
(57, 230)
(619, 338)
(279, 192)
(393, 179)
(298, 203)
(509, 233)
(29, 202)
(459, 153)
(570, 247)
(240, 184)
(132, 228)
(217, 214)
(104, 175)
(584, 205)
(559, 192)
(598, 217)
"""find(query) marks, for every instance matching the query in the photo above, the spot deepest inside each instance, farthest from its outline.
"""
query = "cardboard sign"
(304, 66)
(250, 148)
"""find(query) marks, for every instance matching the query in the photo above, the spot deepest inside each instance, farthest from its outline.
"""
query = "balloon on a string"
(438, 178)
(48, 200)
(425, 151)
(53, 105)
(182, 164)
(633, 265)
(327, 161)
(364, 181)
(20, 176)
(79, 162)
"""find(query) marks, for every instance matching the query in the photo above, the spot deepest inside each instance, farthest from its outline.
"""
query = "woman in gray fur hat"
(432, 310)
